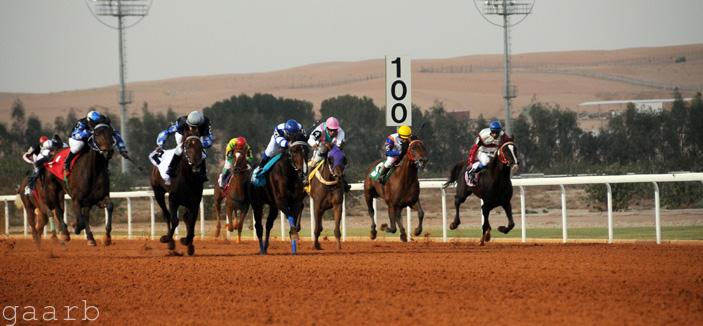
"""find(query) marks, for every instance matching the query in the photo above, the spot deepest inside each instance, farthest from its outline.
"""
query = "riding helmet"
(405, 132)
(291, 127)
(195, 118)
(495, 126)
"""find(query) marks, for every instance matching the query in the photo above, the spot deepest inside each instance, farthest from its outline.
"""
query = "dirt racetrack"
(421, 282)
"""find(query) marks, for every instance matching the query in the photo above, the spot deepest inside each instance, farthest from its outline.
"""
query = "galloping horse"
(37, 209)
(88, 184)
(327, 191)
(186, 190)
(494, 188)
(236, 196)
(283, 191)
(402, 189)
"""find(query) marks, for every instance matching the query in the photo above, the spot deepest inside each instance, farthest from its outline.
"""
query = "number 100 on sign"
(398, 99)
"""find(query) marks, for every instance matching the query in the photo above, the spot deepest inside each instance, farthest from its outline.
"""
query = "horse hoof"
(403, 237)
(503, 229)
(481, 243)
(65, 236)
(488, 236)
(165, 239)
(217, 231)
(417, 231)
(384, 226)
(317, 246)
(92, 243)
(453, 226)
(107, 241)
(191, 250)
(230, 227)
(373, 235)
(171, 245)
(185, 241)
(80, 227)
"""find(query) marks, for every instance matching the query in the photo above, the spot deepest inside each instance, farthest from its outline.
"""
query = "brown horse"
(494, 188)
(327, 192)
(283, 191)
(88, 184)
(401, 190)
(35, 205)
(186, 190)
(236, 196)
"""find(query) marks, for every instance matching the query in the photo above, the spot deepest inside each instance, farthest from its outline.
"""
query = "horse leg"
(485, 225)
(240, 215)
(337, 219)
(368, 197)
(173, 208)
(420, 217)
(459, 198)
(392, 217)
(80, 223)
(318, 223)
(63, 228)
(189, 216)
(509, 213)
(108, 224)
(85, 216)
(269, 225)
(159, 195)
(399, 221)
(32, 222)
(218, 201)
(258, 212)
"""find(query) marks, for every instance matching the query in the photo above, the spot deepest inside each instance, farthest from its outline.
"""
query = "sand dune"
(464, 83)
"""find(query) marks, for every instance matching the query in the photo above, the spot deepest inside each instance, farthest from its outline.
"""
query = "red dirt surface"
(367, 282)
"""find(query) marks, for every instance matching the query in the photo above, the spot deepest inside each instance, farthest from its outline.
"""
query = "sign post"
(398, 95)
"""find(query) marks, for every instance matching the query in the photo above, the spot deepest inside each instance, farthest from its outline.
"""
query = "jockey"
(484, 148)
(396, 145)
(82, 130)
(194, 119)
(326, 134)
(283, 134)
(37, 155)
(235, 144)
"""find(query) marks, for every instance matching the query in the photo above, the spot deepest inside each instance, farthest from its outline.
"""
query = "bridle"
(91, 140)
(409, 153)
(304, 169)
(239, 154)
(185, 142)
(502, 157)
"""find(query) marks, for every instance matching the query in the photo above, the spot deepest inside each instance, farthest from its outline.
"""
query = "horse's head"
(507, 154)
(298, 155)
(102, 140)
(417, 153)
(337, 161)
(239, 164)
(193, 152)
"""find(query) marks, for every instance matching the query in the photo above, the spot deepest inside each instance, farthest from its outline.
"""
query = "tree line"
(547, 136)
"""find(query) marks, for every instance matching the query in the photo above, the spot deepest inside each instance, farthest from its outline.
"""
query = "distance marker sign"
(398, 99)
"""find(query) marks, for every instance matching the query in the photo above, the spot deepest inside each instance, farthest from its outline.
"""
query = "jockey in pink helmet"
(323, 137)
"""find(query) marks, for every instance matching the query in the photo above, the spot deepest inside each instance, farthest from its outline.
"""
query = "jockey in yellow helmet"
(396, 145)
(236, 144)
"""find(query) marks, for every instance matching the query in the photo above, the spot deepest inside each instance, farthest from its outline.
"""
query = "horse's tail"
(454, 174)
(18, 201)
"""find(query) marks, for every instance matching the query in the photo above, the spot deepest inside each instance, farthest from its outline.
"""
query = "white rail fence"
(521, 183)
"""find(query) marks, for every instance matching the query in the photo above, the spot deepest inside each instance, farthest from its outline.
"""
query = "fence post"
(563, 213)
(522, 214)
(444, 215)
(375, 212)
(409, 229)
(202, 219)
(657, 217)
(610, 213)
(344, 217)
(106, 215)
(24, 212)
(129, 218)
(65, 211)
(7, 218)
(152, 217)
(283, 235)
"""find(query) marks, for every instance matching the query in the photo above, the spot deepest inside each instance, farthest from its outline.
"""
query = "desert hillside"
(464, 83)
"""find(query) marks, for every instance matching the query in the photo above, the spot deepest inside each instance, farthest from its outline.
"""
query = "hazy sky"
(56, 45)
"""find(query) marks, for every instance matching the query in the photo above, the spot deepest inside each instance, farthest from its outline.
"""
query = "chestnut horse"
(327, 192)
(186, 189)
(283, 191)
(494, 188)
(37, 209)
(402, 189)
(88, 184)
(236, 196)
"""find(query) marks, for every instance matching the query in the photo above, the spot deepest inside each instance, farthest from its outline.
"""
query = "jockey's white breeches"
(390, 160)
(483, 160)
(272, 148)
(76, 145)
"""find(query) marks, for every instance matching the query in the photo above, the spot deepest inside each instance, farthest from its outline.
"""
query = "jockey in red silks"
(484, 148)
(37, 155)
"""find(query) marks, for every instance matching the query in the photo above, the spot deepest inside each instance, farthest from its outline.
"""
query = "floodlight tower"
(128, 14)
(505, 8)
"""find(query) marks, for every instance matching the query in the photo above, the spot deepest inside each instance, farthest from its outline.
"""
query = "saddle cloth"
(55, 165)
(162, 161)
(311, 175)
(258, 177)
(375, 173)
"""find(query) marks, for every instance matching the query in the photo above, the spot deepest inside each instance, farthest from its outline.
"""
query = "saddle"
(311, 175)
(258, 177)
(55, 165)
(467, 176)
(375, 173)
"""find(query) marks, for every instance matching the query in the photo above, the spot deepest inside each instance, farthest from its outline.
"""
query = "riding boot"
(223, 178)
(202, 172)
(382, 174)
(67, 163)
(347, 186)
(171, 170)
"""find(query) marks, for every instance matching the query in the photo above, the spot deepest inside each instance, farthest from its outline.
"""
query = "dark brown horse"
(327, 192)
(88, 184)
(283, 191)
(494, 188)
(402, 189)
(236, 196)
(186, 189)
(35, 205)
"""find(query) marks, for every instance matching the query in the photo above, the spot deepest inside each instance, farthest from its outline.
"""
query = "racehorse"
(88, 184)
(402, 189)
(494, 188)
(35, 205)
(186, 189)
(283, 191)
(327, 192)
(235, 195)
